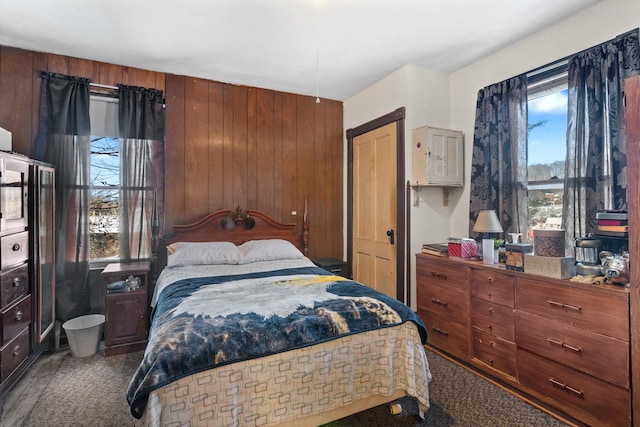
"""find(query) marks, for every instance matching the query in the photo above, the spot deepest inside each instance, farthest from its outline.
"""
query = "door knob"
(391, 235)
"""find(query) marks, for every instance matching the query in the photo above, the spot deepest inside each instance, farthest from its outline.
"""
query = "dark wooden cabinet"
(333, 265)
(125, 328)
(563, 344)
(27, 310)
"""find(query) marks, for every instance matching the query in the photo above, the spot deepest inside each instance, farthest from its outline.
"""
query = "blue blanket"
(207, 322)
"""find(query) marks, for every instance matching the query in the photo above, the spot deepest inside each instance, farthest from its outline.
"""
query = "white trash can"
(83, 334)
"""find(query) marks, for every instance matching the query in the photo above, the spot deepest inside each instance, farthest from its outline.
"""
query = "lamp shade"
(487, 222)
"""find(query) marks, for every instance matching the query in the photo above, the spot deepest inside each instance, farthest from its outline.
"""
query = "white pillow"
(268, 250)
(193, 253)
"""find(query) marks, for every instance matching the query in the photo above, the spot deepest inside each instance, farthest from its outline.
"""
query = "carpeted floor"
(91, 391)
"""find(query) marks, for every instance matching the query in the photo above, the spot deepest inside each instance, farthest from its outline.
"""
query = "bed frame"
(239, 226)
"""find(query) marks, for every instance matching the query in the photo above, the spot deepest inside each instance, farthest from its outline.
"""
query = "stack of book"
(613, 223)
(437, 249)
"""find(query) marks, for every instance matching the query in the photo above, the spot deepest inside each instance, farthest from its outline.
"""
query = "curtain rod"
(103, 86)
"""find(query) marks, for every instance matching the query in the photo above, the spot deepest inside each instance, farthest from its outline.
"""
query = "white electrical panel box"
(437, 157)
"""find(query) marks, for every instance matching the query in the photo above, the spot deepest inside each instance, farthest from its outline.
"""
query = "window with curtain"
(65, 140)
(582, 167)
(546, 145)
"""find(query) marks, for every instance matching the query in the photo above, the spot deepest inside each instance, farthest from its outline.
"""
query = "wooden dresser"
(560, 344)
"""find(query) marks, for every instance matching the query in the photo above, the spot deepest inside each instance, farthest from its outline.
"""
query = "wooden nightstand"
(125, 328)
(333, 265)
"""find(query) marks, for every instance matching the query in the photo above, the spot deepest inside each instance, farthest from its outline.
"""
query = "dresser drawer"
(15, 318)
(451, 337)
(452, 302)
(441, 273)
(580, 349)
(493, 286)
(13, 284)
(493, 318)
(580, 395)
(495, 352)
(603, 313)
(14, 249)
(14, 353)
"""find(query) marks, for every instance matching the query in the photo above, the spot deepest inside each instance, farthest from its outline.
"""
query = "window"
(104, 214)
(547, 133)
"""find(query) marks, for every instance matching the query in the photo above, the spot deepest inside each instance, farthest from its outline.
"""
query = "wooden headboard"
(237, 226)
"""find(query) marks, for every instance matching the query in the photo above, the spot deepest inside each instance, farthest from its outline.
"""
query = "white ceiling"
(335, 48)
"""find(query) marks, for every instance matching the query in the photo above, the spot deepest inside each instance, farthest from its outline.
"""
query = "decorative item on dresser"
(561, 345)
(239, 308)
(27, 276)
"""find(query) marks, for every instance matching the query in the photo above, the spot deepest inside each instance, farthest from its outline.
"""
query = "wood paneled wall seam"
(226, 145)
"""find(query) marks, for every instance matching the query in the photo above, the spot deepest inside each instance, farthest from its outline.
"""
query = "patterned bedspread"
(205, 322)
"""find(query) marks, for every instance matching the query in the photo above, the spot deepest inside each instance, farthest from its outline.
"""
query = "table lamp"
(486, 223)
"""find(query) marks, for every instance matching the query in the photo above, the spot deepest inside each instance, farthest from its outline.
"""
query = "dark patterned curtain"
(64, 141)
(141, 122)
(499, 162)
(596, 164)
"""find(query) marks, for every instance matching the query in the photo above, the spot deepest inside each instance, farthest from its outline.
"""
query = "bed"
(246, 330)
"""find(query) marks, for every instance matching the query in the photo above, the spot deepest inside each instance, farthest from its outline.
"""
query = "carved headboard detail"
(236, 226)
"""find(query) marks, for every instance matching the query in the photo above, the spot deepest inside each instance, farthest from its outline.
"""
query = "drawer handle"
(565, 387)
(563, 305)
(440, 331)
(439, 275)
(15, 247)
(16, 350)
(18, 315)
(16, 282)
(490, 279)
(564, 345)
(437, 301)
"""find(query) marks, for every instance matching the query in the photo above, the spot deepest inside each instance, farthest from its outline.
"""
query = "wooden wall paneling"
(278, 155)
(305, 164)
(322, 170)
(289, 159)
(16, 92)
(216, 147)
(252, 157)
(240, 148)
(84, 68)
(174, 156)
(138, 77)
(40, 61)
(110, 74)
(196, 143)
(58, 64)
(265, 151)
(228, 138)
(632, 111)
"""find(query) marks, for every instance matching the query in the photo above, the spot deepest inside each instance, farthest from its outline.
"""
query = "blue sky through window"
(547, 143)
